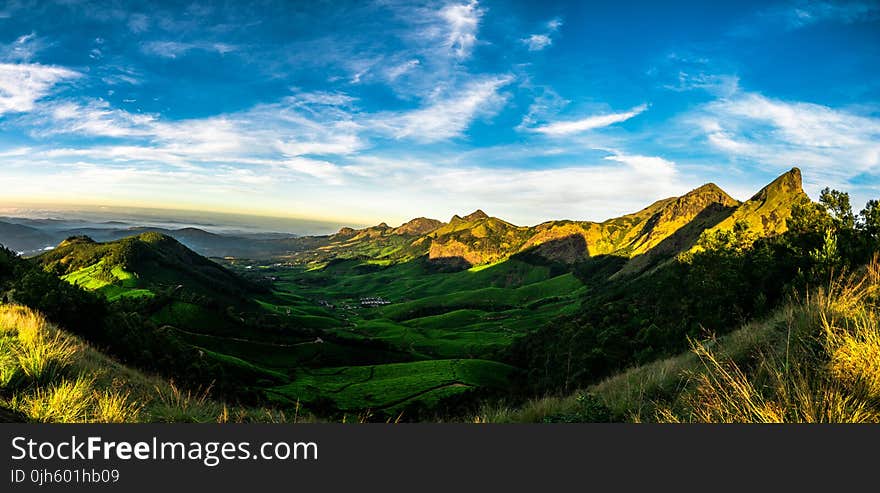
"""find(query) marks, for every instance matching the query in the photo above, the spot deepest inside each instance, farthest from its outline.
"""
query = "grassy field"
(467, 314)
(114, 283)
(393, 388)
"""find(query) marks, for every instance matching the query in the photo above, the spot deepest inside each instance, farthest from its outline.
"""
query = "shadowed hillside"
(140, 266)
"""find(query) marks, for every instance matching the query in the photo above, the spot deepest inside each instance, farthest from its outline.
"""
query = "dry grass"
(828, 372)
(52, 376)
(33, 351)
(177, 405)
(113, 406)
(814, 361)
(537, 410)
(67, 401)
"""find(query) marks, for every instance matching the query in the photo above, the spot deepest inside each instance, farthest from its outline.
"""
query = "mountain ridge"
(643, 238)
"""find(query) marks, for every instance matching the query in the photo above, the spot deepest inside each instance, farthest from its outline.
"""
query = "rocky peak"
(476, 215)
(789, 183)
(418, 226)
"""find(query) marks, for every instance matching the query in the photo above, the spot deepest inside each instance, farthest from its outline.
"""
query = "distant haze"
(175, 219)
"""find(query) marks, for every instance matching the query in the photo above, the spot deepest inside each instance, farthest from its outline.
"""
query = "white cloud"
(799, 14)
(138, 23)
(463, 21)
(325, 171)
(831, 145)
(342, 144)
(804, 14)
(547, 102)
(719, 85)
(22, 49)
(589, 123)
(95, 117)
(396, 71)
(21, 85)
(594, 192)
(537, 42)
(648, 165)
(446, 117)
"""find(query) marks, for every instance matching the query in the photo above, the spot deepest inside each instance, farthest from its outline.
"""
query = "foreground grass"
(47, 375)
(816, 360)
(828, 373)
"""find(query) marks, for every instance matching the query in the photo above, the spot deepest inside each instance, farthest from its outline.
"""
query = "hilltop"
(140, 266)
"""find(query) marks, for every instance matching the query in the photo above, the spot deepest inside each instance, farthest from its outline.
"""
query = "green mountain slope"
(141, 266)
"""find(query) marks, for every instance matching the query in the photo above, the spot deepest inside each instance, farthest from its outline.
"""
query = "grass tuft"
(67, 401)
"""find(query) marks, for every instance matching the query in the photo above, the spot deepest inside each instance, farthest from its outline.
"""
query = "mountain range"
(644, 238)
(660, 231)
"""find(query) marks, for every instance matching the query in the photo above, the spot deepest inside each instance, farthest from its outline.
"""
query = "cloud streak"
(568, 127)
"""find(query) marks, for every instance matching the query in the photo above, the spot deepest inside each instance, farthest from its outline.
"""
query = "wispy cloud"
(447, 116)
(832, 145)
(23, 49)
(396, 71)
(138, 23)
(804, 13)
(21, 85)
(799, 14)
(593, 122)
(539, 41)
(174, 49)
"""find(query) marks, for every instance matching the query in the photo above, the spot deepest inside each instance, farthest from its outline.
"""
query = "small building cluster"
(374, 301)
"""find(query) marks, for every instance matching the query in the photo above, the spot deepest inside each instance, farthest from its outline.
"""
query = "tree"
(869, 220)
(809, 217)
(837, 204)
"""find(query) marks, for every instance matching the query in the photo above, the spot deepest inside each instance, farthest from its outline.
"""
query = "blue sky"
(380, 111)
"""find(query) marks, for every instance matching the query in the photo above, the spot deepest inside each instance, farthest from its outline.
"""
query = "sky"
(369, 111)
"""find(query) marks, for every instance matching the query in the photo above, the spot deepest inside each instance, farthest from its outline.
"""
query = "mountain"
(22, 238)
(473, 239)
(666, 227)
(767, 211)
(643, 239)
(140, 265)
(418, 226)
